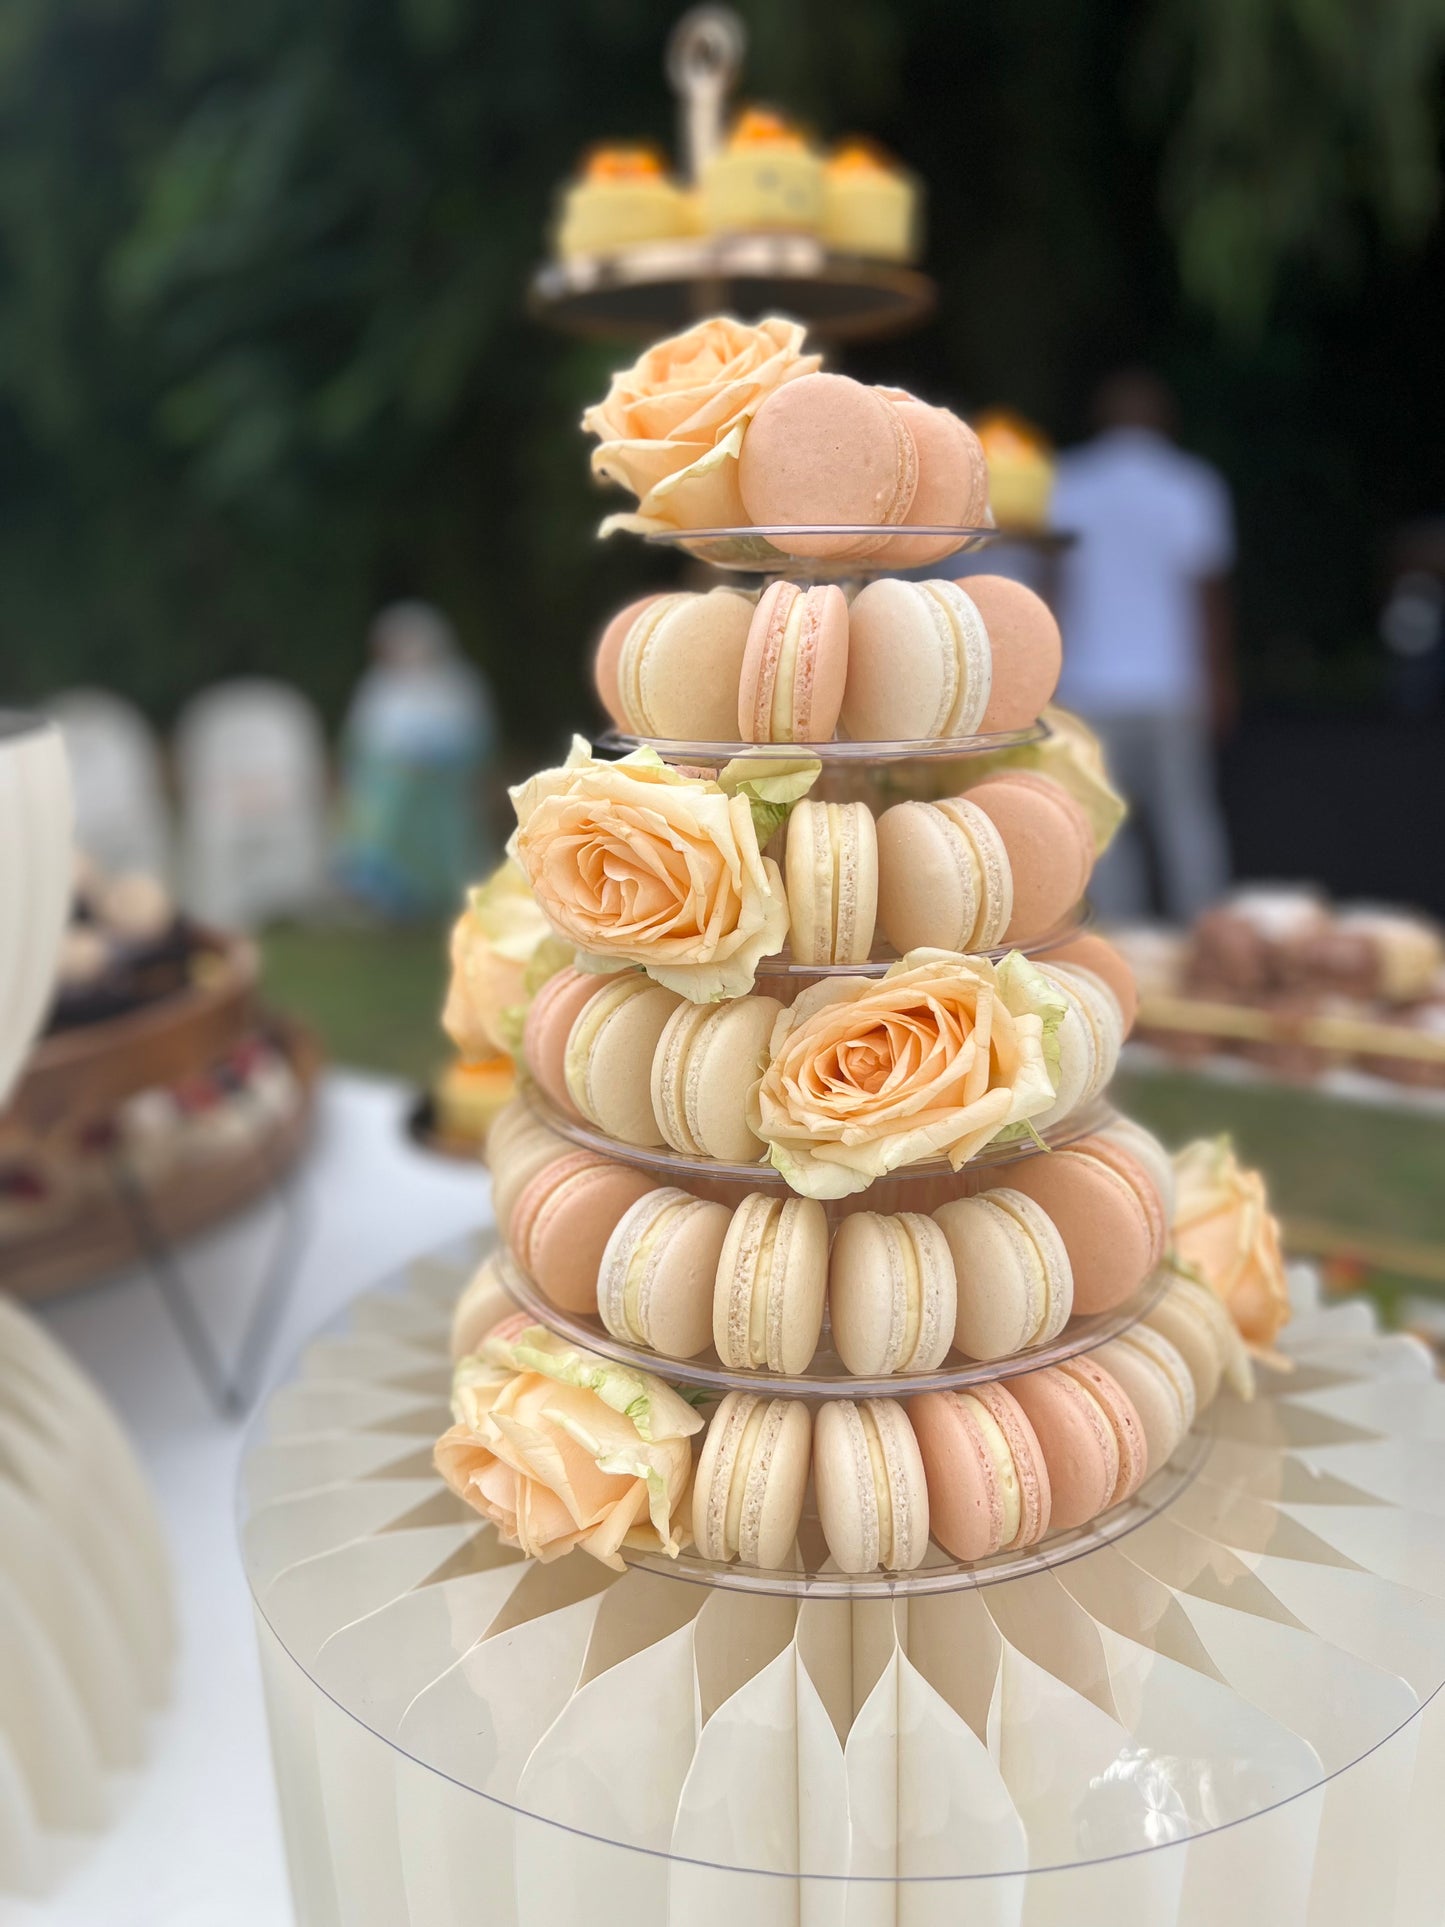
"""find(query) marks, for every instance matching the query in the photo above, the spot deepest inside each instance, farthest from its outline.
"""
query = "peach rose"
(933, 1060)
(560, 1448)
(637, 864)
(1224, 1232)
(502, 952)
(672, 424)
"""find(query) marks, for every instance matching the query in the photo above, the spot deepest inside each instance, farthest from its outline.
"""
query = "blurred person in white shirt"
(1145, 609)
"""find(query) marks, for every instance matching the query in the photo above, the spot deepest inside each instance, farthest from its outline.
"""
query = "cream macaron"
(824, 450)
(770, 1284)
(1089, 1039)
(789, 688)
(831, 871)
(1198, 1326)
(751, 1480)
(1141, 1144)
(610, 1049)
(919, 664)
(708, 1059)
(988, 1481)
(945, 881)
(1159, 1385)
(485, 1302)
(678, 666)
(892, 1293)
(655, 1281)
(870, 1485)
(1015, 1282)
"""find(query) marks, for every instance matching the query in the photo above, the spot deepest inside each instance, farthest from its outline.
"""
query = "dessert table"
(197, 1843)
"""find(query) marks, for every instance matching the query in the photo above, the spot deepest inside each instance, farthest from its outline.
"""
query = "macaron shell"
(952, 489)
(965, 1501)
(668, 1307)
(1078, 1442)
(679, 664)
(825, 449)
(1102, 1214)
(549, 1024)
(1158, 1385)
(612, 1071)
(1028, 651)
(609, 652)
(871, 1489)
(1096, 954)
(1050, 847)
(563, 1220)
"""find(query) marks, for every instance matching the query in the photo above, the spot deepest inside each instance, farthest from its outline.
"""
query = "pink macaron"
(1027, 649)
(795, 665)
(988, 1481)
(553, 1012)
(1050, 847)
(1092, 1438)
(823, 449)
(563, 1219)
(1107, 1211)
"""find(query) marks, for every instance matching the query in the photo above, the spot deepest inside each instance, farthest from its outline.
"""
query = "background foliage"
(263, 358)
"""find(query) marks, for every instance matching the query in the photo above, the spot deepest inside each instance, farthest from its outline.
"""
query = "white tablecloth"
(197, 1842)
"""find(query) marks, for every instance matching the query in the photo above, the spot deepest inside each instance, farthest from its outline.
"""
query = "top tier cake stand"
(658, 287)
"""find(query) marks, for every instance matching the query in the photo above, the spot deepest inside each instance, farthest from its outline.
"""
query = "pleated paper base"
(87, 1625)
(1229, 1714)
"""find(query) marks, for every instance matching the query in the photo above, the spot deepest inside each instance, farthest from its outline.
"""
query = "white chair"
(122, 820)
(251, 768)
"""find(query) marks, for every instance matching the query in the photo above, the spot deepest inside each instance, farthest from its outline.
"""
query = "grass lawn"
(374, 997)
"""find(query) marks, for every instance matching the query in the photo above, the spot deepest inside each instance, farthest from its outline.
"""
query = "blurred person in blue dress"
(1144, 604)
(415, 744)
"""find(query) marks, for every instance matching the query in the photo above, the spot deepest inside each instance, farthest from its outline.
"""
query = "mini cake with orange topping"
(624, 196)
(870, 205)
(766, 178)
(1020, 470)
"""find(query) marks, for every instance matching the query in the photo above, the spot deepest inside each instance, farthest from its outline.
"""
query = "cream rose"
(561, 1449)
(1224, 1231)
(637, 864)
(502, 952)
(933, 1060)
(672, 424)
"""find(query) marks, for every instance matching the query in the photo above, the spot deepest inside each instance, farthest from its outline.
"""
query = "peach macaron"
(563, 1219)
(549, 1022)
(824, 450)
(1092, 1437)
(1050, 846)
(1107, 1211)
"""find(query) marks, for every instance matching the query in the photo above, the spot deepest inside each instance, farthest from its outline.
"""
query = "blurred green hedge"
(263, 360)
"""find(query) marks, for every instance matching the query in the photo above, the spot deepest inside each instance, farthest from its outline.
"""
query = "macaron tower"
(812, 1127)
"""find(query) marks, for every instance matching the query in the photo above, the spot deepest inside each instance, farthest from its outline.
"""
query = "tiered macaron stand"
(1213, 1701)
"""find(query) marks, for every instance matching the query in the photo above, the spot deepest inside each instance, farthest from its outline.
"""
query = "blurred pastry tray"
(105, 1233)
(425, 1129)
(657, 287)
(88, 1069)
